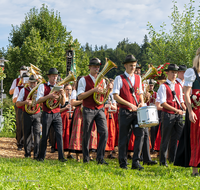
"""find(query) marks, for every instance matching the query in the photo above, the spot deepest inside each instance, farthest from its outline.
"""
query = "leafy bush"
(9, 123)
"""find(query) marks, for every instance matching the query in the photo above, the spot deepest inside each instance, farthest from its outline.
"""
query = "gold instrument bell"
(106, 91)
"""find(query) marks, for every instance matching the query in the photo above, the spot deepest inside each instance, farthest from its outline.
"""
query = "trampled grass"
(52, 174)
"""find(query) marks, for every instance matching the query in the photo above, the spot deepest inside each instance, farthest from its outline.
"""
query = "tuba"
(97, 96)
(52, 104)
(32, 95)
(33, 108)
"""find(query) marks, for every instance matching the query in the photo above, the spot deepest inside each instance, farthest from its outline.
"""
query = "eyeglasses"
(68, 89)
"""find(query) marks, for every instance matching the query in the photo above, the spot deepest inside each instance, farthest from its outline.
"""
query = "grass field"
(52, 174)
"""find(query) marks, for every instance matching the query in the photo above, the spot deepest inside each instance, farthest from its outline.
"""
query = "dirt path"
(8, 149)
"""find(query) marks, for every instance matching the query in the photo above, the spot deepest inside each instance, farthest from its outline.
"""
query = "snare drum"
(147, 116)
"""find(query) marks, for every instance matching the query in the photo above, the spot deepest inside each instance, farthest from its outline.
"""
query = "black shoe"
(124, 167)
(52, 150)
(102, 161)
(152, 151)
(70, 157)
(164, 164)
(63, 160)
(137, 166)
(19, 149)
(40, 159)
(129, 157)
(195, 175)
(150, 162)
(111, 156)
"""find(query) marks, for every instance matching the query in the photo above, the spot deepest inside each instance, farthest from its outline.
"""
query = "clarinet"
(109, 108)
(70, 107)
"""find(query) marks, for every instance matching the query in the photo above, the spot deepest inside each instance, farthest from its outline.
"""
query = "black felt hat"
(182, 68)
(23, 67)
(95, 61)
(53, 71)
(138, 66)
(172, 67)
(129, 59)
(24, 75)
(32, 78)
(151, 81)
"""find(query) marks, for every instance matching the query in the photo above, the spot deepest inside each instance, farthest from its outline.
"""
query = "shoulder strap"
(131, 88)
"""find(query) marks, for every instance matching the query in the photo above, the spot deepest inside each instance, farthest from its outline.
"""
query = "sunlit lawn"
(52, 174)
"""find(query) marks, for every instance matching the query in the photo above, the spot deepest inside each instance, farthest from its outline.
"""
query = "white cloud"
(96, 22)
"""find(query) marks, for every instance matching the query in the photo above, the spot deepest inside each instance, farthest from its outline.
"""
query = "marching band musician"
(30, 120)
(15, 82)
(151, 100)
(180, 75)
(19, 113)
(127, 113)
(110, 108)
(171, 99)
(50, 116)
(75, 144)
(92, 112)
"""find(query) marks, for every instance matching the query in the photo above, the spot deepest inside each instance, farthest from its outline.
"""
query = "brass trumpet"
(52, 104)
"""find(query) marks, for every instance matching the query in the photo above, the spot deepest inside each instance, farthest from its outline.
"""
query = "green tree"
(41, 39)
(181, 42)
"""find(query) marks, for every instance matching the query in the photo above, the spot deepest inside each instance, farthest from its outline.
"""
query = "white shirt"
(189, 77)
(82, 84)
(21, 95)
(118, 83)
(113, 101)
(180, 81)
(14, 84)
(158, 97)
(162, 92)
(16, 93)
(73, 95)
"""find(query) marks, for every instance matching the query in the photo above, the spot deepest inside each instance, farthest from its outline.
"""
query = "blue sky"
(97, 22)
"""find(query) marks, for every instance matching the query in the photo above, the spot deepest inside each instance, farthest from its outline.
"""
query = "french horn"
(51, 103)
(100, 98)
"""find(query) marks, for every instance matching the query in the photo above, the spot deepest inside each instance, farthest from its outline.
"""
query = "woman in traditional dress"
(188, 153)
(110, 108)
(75, 144)
(66, 119)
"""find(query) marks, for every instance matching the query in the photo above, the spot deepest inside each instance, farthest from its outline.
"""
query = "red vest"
(47, 90)
(20, 87)
(170, 98)
(89, 101)
(125, 92)
(17, 81)
(26, 92)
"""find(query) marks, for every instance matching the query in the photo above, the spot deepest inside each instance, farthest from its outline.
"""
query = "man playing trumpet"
(128, 103)
(51, 116)
(30, 120)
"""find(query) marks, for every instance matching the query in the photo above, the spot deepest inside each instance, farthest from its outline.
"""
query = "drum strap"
(174, 94)
(131, 88)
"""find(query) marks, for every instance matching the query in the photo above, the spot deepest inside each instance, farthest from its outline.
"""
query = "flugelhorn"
(52, 104)
(100, 98)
